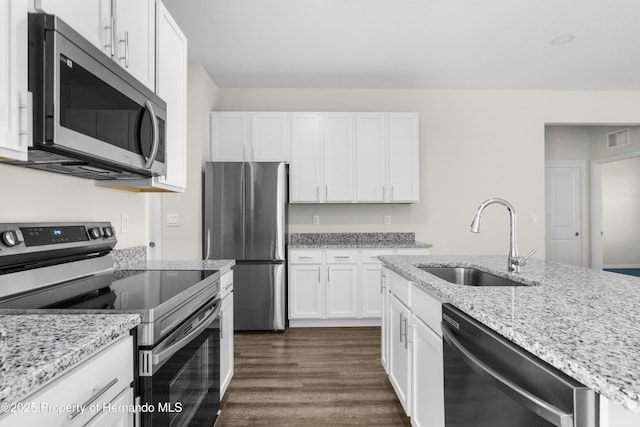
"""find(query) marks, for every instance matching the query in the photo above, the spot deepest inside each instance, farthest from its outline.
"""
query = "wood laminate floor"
(310, 377)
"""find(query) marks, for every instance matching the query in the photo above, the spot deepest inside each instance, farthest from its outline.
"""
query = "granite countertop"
(583, 322)
(40, 347)
(361, 245)
(222, 265)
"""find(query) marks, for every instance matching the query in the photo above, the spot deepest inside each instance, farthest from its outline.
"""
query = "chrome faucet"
(514, 261)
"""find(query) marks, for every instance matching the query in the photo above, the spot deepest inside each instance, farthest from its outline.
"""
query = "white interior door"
(564, 182)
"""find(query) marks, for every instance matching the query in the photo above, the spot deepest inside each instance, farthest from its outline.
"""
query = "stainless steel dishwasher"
(491, 382)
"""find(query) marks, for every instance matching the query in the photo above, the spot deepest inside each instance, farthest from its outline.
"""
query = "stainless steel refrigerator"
(245, 219)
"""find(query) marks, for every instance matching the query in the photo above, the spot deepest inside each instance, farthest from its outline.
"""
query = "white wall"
(474, 145)
(36, 196)
(184, 242)
(620, 213)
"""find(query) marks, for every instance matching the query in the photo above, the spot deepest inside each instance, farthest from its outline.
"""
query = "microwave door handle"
(544, 409)
(156, 137)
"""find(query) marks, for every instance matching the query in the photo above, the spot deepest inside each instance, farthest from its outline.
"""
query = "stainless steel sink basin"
(469, 276)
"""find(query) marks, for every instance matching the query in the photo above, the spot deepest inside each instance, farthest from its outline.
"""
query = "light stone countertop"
(584, 322)
(222, 265)
(40, 347)
(415, 245)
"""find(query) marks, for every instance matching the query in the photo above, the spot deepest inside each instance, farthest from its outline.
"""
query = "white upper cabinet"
(125, 30)
(269, 137)
(251, 137)
(387, 153)
(404, 161)
(135, 37)
(15, 100)
(371, 155)
(229, 136)
(172, 88)
(91, 18)
(337, 144)
(305, 172)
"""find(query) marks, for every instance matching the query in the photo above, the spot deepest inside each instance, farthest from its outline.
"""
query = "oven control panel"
(28, 242)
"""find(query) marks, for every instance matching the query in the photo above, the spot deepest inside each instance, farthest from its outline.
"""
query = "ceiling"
(414, 44)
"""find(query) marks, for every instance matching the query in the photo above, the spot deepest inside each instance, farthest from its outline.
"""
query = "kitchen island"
(583, 322)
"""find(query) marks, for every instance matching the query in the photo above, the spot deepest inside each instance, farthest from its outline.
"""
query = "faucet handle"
(522, 260)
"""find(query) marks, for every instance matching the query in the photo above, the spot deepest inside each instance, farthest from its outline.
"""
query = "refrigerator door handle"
(243, 186)
(208, 243)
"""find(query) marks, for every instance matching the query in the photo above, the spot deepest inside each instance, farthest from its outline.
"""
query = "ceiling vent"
(618, 138)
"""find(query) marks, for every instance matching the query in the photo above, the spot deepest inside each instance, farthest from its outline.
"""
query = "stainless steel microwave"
(91, 118)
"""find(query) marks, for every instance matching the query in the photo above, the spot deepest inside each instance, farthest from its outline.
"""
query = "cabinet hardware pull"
(328, 275)
(318, 274)
(391, 198)
(384, 192)
(342, 257)
(326, 193)
(126, 49)
(93, 398)
(406, 340)
(317, 192)
(400, 326)
(221, 324)
(108, 41)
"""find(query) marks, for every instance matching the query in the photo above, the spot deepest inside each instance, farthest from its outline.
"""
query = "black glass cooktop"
(133, 290)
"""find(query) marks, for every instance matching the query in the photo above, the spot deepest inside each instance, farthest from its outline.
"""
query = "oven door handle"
(164, 354)
(544, 409)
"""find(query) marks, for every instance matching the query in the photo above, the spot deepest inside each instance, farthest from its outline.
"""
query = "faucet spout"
(513, 264)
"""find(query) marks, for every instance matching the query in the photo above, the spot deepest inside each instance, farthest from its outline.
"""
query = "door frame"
(582, 165)
(596, 206)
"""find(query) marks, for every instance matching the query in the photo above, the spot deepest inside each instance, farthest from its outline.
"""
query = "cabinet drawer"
(399, 286)
(342, 256)
(305, 257)
(93, 383)
(427, 307)
(370, 256)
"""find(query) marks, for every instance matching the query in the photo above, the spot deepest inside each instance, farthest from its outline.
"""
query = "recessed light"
(562, 39)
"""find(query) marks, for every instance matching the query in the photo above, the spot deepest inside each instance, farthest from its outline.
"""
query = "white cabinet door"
(172, 88)
(306, 296)
(337, 138)
(270, 137)
(384, 322)
(371, 290)
(427, 376)
(399, 360)
(226, 343)
(306, 167)
(90, 18)
(135, 26)
(404, 160)
(371, 157)
(342, 291)
(229, 136)
(15, 111)
(115, 418)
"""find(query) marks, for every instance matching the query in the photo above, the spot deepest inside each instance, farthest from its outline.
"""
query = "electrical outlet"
(124, 223)
(315, 219)
(533, 218)
(386, 219)
(173, 220)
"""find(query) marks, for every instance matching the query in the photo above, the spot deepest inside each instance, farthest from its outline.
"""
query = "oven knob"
(10, 238)
(95, 233)
(108, 232)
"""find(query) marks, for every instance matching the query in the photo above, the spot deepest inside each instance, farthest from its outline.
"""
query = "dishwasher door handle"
(544, 409)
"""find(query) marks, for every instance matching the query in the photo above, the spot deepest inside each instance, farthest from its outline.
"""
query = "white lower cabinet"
(102, 381)
(399, 351)
(412, 349)
(342, 292)
(226, 332)
(337, 287)
(427, 375)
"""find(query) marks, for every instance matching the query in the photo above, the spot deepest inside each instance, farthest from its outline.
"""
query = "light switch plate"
(386, 219)
(315, 219)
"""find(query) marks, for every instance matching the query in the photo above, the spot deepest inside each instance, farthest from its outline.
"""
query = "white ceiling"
(427, 44)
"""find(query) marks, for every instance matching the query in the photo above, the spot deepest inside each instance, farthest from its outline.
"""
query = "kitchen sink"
(469, 276)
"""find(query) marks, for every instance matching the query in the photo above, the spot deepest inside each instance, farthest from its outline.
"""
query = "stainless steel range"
(68, 267)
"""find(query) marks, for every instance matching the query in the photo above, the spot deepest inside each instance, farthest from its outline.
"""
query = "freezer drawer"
(259, 296)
